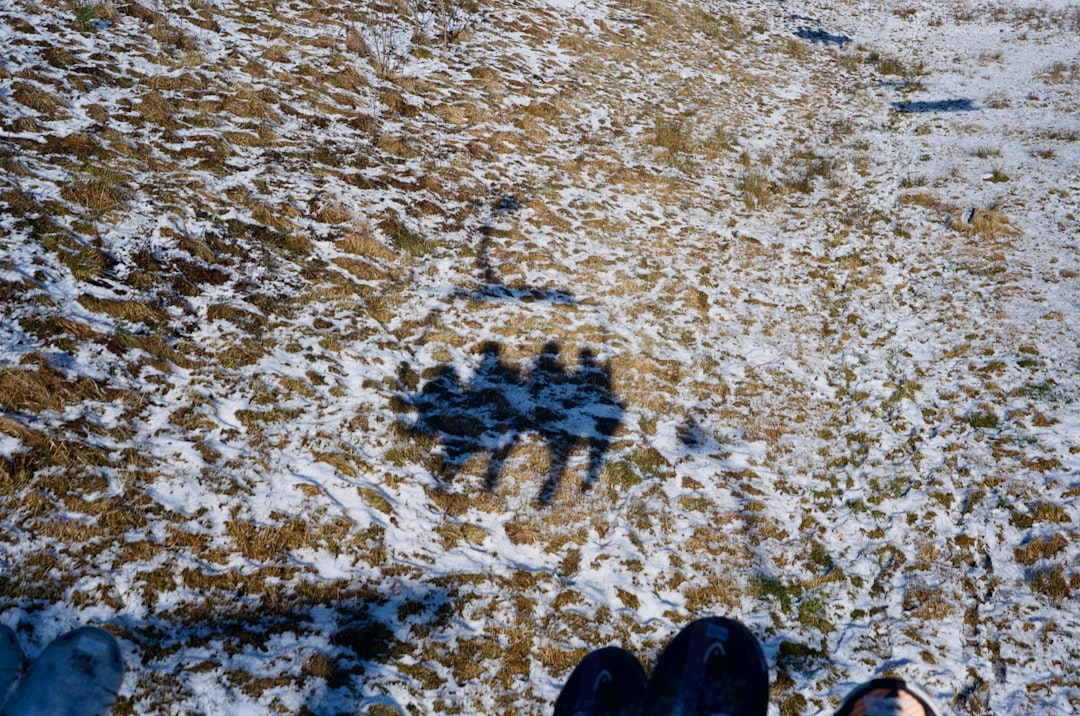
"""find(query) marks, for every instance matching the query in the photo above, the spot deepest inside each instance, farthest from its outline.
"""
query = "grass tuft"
(989, 223)
(756, 189)
(405, 238)
(86, 16)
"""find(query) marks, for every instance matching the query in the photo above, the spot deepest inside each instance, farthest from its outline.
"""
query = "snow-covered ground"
(388, 357)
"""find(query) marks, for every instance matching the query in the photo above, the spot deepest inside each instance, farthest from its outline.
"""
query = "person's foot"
(78, 674)
(888, 697)
(713, 667)
(607, 682)
(12, 661)
(719, 695)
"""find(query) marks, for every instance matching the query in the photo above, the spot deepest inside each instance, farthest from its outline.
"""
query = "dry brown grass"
(1041, 549)
(49, 104)
(1061, 73)
(673, 134)
(37, 386)
(101, 193)
(157, 109)
(171, 38)
(80, 145)
(925, 199)
(756, 188)
(136, 312)
(247, 102)
(363, 244)
(85, 261)
(989, 223)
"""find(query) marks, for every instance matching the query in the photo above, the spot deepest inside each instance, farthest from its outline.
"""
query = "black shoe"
(607, 682)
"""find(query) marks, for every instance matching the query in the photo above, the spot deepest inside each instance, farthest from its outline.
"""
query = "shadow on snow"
(492, 287)
(941, 105)
(325, 649)
(819, 36)
(500, 404)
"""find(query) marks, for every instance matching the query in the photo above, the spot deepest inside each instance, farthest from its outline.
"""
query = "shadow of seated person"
(571, 409)
(489, 415)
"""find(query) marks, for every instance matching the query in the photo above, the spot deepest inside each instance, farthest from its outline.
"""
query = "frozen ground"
(387, 357)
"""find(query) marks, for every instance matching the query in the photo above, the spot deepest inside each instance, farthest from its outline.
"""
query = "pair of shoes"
(78, 674)
(888, 697)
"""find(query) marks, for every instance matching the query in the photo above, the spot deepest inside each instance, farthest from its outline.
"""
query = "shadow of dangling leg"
(598, 447)
(498, 457)
(560, 446)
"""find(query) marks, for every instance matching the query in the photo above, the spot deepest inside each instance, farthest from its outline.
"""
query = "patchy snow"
(343, 380)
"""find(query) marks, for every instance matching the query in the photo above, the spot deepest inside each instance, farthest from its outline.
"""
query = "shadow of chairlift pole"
(492, 287)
